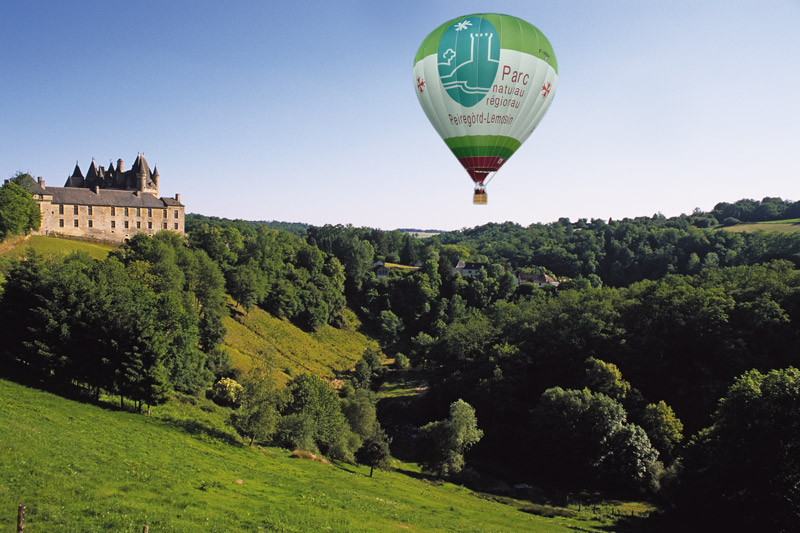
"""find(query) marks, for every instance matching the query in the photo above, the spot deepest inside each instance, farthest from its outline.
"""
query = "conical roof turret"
(77, 172)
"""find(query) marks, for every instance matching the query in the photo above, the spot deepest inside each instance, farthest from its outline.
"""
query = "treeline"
(196, 221)
(746, 210)
(618, 253)
(144, 321)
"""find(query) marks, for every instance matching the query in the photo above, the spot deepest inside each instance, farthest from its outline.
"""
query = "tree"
(747, 464)
(314, 402)
(663, 427)
(391, 326)
(258, 415)
(375, 451)
(445, 442)
(580, 437)
(606, 378)
(359, 410)
(244, 285)
(408, 255)
(24, 180)
(19, 212)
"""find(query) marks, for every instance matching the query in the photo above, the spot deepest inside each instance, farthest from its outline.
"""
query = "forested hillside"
(661, 359)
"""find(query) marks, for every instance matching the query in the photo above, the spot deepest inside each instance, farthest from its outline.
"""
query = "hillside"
(255, 336)
(81, 467)
(51, 246)
(289, 350)
(780, 226)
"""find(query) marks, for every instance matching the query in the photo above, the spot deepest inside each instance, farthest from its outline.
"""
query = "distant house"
(468, 269)
(541, 280)
(382, 269)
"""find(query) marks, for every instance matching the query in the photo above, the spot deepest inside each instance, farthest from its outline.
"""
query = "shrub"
(401, 362)
(226, 392)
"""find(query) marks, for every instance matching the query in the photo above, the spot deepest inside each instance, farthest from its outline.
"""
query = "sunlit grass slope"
(781, 226)
(290, 351)
(15, 248)
(79, 467)
(52, 246)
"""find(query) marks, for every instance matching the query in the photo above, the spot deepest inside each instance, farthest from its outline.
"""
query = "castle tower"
(76, 180)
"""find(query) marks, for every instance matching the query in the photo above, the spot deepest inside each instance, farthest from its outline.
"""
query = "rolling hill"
(80, 467)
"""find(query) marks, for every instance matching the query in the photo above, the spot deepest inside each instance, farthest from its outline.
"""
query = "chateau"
(108, 204)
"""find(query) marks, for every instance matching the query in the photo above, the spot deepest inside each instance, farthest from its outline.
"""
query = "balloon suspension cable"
(491, 176)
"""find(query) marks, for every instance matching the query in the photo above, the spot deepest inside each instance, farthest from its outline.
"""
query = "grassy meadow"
(16, 247)
(81, 467)
(781, 226)
(53, 246)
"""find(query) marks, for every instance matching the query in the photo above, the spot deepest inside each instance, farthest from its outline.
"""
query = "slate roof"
(107, 197)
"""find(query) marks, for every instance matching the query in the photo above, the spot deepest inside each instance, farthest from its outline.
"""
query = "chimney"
(96, 189)
(178, 197)
(41, 182)
(120, 164)
(137, 192)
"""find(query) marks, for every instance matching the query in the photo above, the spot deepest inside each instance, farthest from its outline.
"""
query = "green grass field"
(52, 246)
(782, 226)
(290, 351)
(48, 247)
(80, 467)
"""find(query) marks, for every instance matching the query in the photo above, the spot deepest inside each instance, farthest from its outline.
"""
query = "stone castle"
(109, 204)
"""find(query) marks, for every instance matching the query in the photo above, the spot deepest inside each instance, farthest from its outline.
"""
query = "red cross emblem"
(420, 84)
(545, 89)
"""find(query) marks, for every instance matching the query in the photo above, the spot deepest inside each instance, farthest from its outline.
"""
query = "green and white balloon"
(485, 81)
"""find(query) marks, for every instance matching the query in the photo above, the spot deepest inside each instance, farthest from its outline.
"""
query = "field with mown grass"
(52, 246)
(81, 467)
(15, 248)
(289, 350)
(781, 226)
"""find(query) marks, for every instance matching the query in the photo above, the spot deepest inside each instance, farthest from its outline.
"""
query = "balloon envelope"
(485, 81)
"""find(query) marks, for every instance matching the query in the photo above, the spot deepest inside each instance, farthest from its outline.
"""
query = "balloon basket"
(480, 197)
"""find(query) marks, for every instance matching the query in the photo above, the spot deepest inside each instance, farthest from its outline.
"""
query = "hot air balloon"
(485, 81)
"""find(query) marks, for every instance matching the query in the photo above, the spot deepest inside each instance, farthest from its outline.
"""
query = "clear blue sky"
(306, 111)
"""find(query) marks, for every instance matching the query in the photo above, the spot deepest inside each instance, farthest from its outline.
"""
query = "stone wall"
(105, 222)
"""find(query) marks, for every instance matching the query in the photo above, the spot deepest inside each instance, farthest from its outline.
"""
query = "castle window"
(61, 210)
(149, 212)
(164, 226)
(89, 211)
(126, 224)
(113, 224)
(138, 225)
(138, 211)
(176, 213)
(126, 212)
(75, 210)
(61, 223)
(149, 225)
(165, 213)
(75, 222)
(89, 223)
(176, 225)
